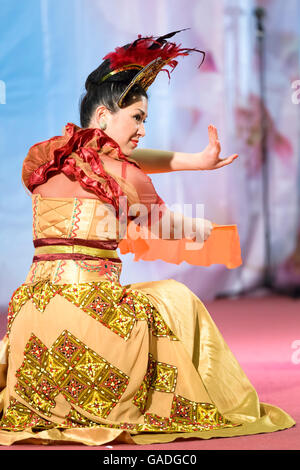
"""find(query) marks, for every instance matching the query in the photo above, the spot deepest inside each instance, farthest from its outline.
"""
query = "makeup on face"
(126, 126)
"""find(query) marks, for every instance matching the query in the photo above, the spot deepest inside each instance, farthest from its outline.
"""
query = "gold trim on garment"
(85, 250)
(122, 69)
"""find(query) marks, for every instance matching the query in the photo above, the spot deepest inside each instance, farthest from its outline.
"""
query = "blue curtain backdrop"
(48, 47)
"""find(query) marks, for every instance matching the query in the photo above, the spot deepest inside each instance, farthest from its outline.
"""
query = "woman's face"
(126, 126)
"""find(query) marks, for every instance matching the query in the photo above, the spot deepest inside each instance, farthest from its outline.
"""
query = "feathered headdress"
(147, 56)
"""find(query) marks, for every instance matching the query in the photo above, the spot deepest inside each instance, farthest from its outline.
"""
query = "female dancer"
(86, 359)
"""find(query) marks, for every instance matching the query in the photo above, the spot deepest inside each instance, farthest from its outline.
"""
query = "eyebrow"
(143, 112)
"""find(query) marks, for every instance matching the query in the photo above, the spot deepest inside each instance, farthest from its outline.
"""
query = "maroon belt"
(79, 249)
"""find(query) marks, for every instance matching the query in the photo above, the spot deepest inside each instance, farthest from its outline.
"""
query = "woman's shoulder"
(62, 186)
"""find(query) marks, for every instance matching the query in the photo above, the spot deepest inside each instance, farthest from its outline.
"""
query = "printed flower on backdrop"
(249, 131)
(282, 146)
(209, 65)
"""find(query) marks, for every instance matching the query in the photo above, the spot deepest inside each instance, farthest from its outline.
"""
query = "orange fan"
(222, 247)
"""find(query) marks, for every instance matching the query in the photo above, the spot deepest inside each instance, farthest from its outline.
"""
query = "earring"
(102, 125)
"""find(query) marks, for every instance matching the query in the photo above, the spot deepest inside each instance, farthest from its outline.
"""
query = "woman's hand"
(209, 159)
(200, 229)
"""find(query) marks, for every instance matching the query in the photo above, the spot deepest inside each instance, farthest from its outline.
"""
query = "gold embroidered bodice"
(73, 218)
(88, 219)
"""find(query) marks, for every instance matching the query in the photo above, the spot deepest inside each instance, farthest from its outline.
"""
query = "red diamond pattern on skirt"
(74, 388)
(99, 306)
(68, 348)
(36, 351)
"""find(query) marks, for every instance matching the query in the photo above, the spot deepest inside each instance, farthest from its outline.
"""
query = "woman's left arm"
(161, 161)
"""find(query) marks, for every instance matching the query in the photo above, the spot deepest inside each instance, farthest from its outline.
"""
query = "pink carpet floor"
(264, 334)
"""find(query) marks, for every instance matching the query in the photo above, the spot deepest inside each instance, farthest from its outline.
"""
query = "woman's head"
(99, 108)
(117, 88)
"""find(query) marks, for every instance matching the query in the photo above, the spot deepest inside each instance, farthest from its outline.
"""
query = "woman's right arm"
(174, 226)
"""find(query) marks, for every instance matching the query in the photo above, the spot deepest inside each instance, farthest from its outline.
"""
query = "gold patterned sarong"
(88, 360)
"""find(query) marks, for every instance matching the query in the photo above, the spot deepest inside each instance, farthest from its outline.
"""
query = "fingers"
(227, 161)
(214, 140)
(212, 133)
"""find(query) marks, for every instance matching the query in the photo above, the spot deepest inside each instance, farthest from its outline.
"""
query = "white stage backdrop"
(48, 47)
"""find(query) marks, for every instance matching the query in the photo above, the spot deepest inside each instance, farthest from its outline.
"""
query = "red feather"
(143, 51)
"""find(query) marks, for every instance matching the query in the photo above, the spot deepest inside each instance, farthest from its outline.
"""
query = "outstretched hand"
(209, 159)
